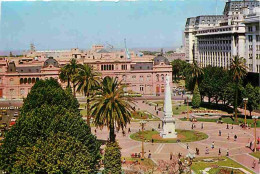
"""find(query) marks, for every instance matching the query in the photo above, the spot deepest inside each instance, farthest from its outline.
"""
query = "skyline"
(65, 25)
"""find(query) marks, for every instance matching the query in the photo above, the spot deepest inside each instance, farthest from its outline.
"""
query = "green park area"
(255, 154)
(228, 120)
(182, 135)
(216, 165)
(143, 115)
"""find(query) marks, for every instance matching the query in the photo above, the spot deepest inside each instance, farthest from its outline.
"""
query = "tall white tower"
(168, 122)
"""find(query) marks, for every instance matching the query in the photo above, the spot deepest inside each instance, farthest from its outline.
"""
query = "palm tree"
(112, 108)
(68, 72)
(64, 75)
(238, 70)
(87, 81)
(196, 71)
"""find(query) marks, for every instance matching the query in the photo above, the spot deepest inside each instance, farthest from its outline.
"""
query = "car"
(13, 120)
(16, 114)
(3, 126)
(4, 112)
(11, 107)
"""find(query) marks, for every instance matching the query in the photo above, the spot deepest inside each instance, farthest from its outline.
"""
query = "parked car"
(16, 114)
(3, 126)
(13, 120)
(11, 107)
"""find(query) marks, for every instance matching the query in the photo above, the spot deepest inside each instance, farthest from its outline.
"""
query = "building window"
(162, 76)
(157, 77)
(22, 91)
(250, 29)
(123, 67)
(148, 78)
(124, 77)
(250, 38)
(141, 87)
(33, 80)
(29, 80)
(133, 78)
(21, 80)
(11, 92)
(141, 78)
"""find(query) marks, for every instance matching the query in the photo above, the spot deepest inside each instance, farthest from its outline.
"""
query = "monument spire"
(168, 122)
(167, 99)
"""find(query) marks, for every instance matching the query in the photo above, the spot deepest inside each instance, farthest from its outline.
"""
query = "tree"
(112, 158)
(59, 153)
(253, 95)
(47, 109)
(112, 108)
(88, 82)
(196, 100)
(177, 65)
(196, 71)
(68, 72)
(237, 70)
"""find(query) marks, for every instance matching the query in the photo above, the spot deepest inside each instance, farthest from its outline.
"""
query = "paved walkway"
(237, 149)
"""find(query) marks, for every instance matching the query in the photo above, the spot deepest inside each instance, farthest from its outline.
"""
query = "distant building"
(142, 74)
(216, 39)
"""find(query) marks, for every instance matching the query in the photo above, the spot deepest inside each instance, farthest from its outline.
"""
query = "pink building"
(144, 75)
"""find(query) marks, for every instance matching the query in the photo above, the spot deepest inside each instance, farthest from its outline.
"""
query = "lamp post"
(142, 125)
(255, 119)
(187, 101)
(245, 102)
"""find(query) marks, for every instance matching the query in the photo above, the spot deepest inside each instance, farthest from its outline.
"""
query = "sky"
(68, 24)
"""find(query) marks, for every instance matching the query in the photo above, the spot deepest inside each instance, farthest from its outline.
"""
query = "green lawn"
(226, 120)
(183, 136)
(255, 154)
(144, 115)
(145, 162)
(199, 165)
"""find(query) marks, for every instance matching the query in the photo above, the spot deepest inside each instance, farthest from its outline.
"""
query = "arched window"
(21, 80)
(29, 80)
(33, 80)
(37, 79)
(162, 77)
(25, 80)
(157, 77)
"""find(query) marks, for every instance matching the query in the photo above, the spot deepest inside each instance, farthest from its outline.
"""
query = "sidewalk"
(247, 161)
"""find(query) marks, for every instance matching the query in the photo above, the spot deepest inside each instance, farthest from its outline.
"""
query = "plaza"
(161, 151)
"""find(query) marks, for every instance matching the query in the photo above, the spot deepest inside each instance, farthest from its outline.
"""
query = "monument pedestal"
(168, 131)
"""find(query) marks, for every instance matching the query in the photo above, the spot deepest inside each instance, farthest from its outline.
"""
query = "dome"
(51, 61)
(160, 59)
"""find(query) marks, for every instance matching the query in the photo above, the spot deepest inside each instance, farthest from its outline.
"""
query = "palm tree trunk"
(235, 104)
(68, 85)
(88, 110)
(112, 136)
(74, 89)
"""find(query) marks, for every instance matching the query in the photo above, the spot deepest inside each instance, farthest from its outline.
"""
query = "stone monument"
(168, 122)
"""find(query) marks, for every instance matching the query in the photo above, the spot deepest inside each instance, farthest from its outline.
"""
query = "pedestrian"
(212, 145)
(250, 145)
(152, 140)
(124, 161)
(227, 126)
(129, 130)
(149, 155)
(254, 164)
(228, 136)
(192, 126)
(198, 152)
(219, 151)
(159, 126)
(179, 155)
(235, 138)
(219, 133)
(95, 131)
(187, 146)
(157, 112)
(201, 125)
(171, 155)
(232, 126)
(227, 152)
(207, 151)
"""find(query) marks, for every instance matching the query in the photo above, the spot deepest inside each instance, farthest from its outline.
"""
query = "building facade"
(214, 40)
(144, 75)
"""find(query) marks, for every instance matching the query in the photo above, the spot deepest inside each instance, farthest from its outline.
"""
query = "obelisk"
(168, 122)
